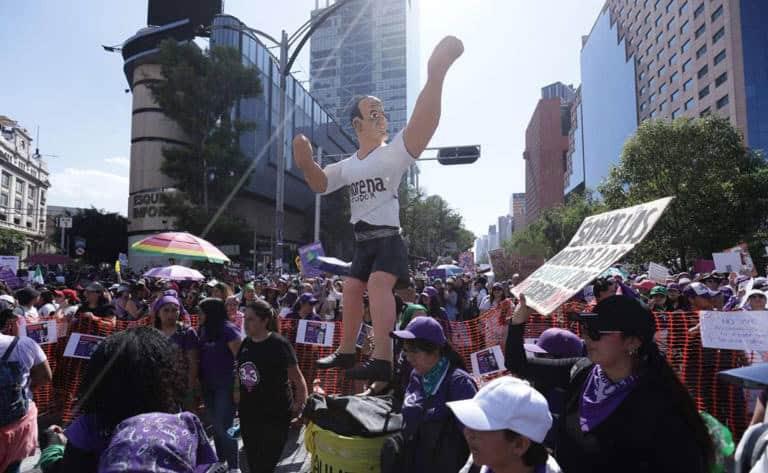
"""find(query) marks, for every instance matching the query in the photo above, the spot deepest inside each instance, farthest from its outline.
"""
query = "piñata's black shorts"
(387, 254)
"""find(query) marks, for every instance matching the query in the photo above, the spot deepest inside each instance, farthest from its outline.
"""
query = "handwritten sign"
(741, 330)
(658, 273)
(600, 241)
(727, 262)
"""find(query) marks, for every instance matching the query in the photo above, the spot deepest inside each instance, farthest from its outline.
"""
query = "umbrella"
(175, 273)
(180, 245)
(451, 269)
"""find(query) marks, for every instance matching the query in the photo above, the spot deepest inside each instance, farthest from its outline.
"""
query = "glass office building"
(754, 40)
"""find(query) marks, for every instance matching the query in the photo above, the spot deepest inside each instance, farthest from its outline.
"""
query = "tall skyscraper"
(518, 211)
(493, 238)
(546, 150)
(558, 90)
(504, 228)
(367, 48)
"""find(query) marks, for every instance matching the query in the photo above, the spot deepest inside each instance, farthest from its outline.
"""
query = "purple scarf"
(601, 397)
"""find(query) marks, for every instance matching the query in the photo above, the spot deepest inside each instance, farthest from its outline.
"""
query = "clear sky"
(55, 75)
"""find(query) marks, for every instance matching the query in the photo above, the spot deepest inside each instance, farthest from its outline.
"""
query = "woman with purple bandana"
(219, 343)
(625, 408)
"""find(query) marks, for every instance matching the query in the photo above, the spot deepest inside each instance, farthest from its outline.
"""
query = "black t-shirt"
(263, 374)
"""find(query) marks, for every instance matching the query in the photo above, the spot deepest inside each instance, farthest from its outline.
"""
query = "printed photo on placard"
(312, 332)
(43, 333)
(488, 361)
(81, 345)
(363, 334)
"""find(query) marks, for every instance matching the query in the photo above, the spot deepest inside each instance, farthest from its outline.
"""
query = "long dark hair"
(263, 310)
(655, 367)
(131, 372)
(215, 317)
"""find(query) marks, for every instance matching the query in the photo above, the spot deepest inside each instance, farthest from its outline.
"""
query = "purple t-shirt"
(458, 382)
(217, 363)
(185, 338)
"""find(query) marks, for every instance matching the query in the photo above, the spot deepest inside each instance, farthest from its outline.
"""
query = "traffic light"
(458, 155)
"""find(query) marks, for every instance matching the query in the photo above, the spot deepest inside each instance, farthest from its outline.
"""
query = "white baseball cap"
(506, 403)
(7, 298)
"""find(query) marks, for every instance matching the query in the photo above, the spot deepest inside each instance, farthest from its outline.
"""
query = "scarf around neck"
(601, 397)
(431, 381)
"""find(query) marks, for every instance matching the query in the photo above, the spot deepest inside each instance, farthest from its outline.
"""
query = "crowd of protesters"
(235, 363)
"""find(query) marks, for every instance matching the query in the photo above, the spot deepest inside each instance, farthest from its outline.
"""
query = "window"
(643, 106)
(651, 98)
(684, 8)
(663, 88)
(659, 38)
(688, 85)
(689, 104)
(662, 69)
(6, 180)
(674, 77)
(659, 54)
(30, 210)
(705, 112)
(674, 95)
(641, 76)
(701, 52)
(687, 65)
(647, 18)
(643, 90)
(3, 202)
(699, 11)
(673, 60)
(721, 79)
(670, 24)
(669, 5)
(658, 20)
(719, 35)
(662, 105)
(703, 71)
(672, 41)
(648, 51)
(18, 204)
(722, 102)
(685, 28)
(719, 58)
(686, 47)
(676, 113)
(700, 31)
(703, 92)
(718, 13)
(20, 187)
(656, 5)
(654, 113)
(652, 81)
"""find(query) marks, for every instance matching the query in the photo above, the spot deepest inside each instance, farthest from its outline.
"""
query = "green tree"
(554, 228)
(431, 226)
(720, 188)
(199, 91)
(104, 234)
(11, 242)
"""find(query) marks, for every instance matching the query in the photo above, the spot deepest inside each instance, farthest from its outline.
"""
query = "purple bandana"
(601, 397)
(157, 442)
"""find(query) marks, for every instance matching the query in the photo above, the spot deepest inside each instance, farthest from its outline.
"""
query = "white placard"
(44, 333)
(739, 330)
(81, 345)
(11, 262)
(488, 361)
(313, 332)
(658, 273)
(600, 241)
(727, 262)
(363, 334)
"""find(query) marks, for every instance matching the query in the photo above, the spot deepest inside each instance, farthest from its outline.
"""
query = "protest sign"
(748, 266)
(599, 242)
(467, 261)
(312, 332)
(9, 278)
(658, 273)
(488, 361)
(702, 266)
(727, 262)
(308, 253)
(437, 273)
(11, 262)
(81, 345)
(363, 334)
(44, 333)
(740, 330)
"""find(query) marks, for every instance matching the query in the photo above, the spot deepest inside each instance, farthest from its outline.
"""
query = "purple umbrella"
(175, 273)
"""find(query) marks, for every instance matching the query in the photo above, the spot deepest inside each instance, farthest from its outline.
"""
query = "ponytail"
(263, 310)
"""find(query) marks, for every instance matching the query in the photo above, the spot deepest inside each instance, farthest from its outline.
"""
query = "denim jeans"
(221, 411)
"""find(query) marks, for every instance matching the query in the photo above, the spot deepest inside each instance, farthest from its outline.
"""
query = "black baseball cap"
(623, 314)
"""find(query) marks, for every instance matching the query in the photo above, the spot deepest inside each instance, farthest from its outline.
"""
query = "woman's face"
(231, 306)
(757, 302)
(169, 314)
(249, 294)
(498, 292)
(421, 361)
(92, 297)
(254, 325)
(491, 447)
(702, 303)
(659, 300)
(673, 294)
(611, 349)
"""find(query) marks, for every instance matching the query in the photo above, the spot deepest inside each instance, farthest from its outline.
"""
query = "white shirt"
(27, 352)
(47, 309)
(373, 182)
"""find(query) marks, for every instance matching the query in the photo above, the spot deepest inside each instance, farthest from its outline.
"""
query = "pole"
(279, 191)
(317, 197)
(63, 235)
(254, 250)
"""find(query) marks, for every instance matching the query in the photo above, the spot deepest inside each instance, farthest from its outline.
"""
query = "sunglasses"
(593, 332)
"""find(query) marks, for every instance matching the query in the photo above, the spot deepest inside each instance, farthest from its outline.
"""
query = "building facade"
(24, 186)
(493, 238)
(546, 151)
(517, 209)
(481, 249)
(504, 228)
(367, 48)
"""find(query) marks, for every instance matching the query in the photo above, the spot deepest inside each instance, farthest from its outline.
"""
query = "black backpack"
(13, 399)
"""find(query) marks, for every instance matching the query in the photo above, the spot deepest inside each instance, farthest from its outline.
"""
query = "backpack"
(13, 399)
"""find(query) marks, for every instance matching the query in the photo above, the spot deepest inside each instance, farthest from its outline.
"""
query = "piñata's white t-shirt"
(373, 182)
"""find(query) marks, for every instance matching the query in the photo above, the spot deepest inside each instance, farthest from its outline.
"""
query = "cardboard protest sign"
(599, 242)
(740, 330)
(748, 266)
(81, 345)
(467, 261)
(312, 332)
(44, 333)
(727, 262)
(658, 273)
(308, 253)
(500, 265)
(488, 361)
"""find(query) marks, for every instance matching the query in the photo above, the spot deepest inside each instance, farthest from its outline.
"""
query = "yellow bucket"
(334, 453)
